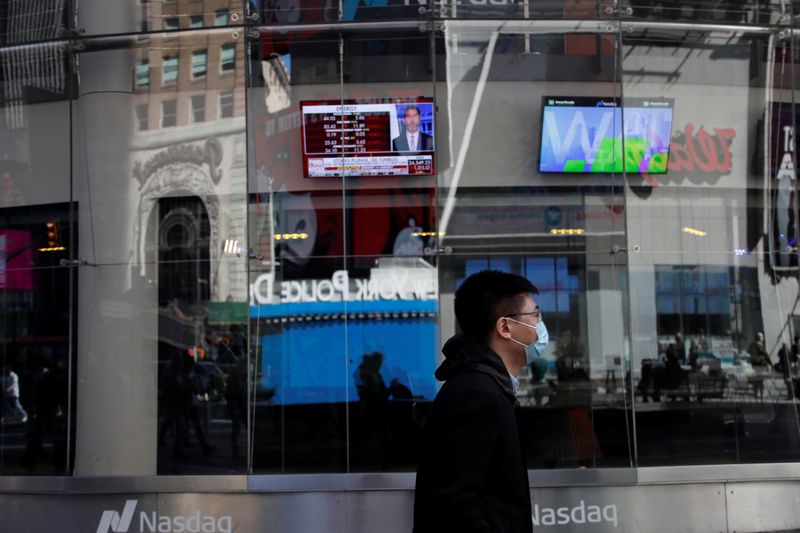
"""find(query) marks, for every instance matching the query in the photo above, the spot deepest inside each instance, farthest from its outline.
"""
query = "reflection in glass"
(663, 241)
(299, 309)
(534, 188)
(711, 295)
(35, 354)
(162, 307)
(36, 244)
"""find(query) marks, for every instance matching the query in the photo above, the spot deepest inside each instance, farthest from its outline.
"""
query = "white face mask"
(535, 350)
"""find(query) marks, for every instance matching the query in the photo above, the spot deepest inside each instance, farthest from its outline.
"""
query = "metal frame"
(284, 483)
(391, 481)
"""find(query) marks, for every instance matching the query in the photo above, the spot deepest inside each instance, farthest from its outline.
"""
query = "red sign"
(697, 155)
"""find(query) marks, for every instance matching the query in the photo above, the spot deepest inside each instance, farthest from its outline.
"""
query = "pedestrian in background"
(11, 404)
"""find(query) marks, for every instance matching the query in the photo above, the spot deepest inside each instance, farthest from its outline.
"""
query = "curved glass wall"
(230, 233)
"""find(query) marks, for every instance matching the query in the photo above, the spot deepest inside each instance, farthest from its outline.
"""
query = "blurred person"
(472, 474)
(759, 358)
(794, 352)
(676, 351)
(408, 242)
(398, 391)
(174, 423)
(671, 375)
(373, 395)
(236, 402)
(195, 394)
(49, 391)
(698, 345)
(11, 404)
(782, 365)
(571, 364)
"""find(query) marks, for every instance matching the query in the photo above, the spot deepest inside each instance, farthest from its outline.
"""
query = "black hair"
(486, 296)
(415, 108)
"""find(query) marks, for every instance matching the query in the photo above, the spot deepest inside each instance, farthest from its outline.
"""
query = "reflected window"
(143, 73)
(691, 297)
(171, 23)
(170, 70)
(227, 58)
(169, 113)
(199, 108)
(221, 18)
(226, 105)
(142, 119)
(196, 21)
(199, 62)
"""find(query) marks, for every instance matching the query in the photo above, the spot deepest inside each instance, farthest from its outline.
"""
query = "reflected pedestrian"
(11, 405)
(373, 394)
(759, 358)
(235, 400)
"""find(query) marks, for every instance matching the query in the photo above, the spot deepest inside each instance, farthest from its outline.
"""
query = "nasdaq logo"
(580, 514)
(112, 521)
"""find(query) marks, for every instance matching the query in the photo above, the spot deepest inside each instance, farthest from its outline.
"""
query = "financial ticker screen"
(353, 138)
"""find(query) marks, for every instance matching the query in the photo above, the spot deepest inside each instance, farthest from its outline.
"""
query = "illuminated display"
(351, 138)
(584, 135)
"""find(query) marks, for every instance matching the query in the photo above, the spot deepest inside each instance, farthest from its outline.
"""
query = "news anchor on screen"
(412, 139)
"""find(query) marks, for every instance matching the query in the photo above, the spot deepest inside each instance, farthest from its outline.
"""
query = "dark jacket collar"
(465, 354)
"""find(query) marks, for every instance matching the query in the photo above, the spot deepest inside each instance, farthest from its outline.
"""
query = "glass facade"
(231, 232)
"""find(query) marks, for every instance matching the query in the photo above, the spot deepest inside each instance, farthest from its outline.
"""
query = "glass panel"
(36, 244)
(741, 12)
(389, 127)
(530, 183)
(27, 22)
(293, 12)
(110, 17)
(299, 309)
(36, 355)
(713, 287)
(162, 312)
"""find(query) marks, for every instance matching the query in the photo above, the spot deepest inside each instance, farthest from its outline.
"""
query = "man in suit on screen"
(412, 139)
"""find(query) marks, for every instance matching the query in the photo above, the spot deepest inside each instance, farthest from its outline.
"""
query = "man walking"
(472, 474)
(11, 392)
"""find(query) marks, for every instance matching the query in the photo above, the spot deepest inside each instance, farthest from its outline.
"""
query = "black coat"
(472, 475)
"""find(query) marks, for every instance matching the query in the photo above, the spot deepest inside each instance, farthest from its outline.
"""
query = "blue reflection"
(304, 361)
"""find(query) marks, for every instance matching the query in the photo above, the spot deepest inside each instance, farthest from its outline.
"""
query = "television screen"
(584, 135)
(375, 138)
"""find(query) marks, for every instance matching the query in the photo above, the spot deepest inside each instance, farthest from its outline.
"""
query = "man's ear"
(501, 328)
